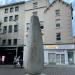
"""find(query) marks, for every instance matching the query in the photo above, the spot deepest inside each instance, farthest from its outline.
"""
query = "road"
(10, 70)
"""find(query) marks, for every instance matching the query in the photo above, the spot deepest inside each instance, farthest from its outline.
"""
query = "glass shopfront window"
(70, 57)
(51, 58)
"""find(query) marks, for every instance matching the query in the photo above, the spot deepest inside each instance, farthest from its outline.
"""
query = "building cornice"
(70, 5)
(12, 4)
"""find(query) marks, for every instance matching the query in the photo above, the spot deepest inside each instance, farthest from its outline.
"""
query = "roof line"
(54, 2)
(11, 4)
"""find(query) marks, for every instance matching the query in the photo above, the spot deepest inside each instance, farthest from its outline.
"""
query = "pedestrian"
(21, 62)
(18, 58)
(15, 61)
(3, 59)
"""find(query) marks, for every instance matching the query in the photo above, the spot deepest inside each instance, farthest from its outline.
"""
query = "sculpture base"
(36, 74)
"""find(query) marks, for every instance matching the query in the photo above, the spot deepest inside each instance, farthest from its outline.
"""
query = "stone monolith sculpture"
(33, 52)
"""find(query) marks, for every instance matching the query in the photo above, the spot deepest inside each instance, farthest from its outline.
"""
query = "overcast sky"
(69, 1)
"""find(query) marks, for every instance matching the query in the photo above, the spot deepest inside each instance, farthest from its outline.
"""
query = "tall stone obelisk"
(33, 53)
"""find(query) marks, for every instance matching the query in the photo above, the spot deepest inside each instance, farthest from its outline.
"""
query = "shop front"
(7, 54)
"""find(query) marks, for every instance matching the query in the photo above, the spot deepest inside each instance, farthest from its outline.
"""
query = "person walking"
(15, 61)
(21, 62)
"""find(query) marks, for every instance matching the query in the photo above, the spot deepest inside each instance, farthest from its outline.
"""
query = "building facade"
(12, 30)
(56, 26)
(74, 39)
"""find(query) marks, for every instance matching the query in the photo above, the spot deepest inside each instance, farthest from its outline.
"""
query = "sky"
(69, 1)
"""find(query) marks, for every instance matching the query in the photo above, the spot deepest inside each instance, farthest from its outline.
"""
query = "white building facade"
(56, 27)
(59, 54)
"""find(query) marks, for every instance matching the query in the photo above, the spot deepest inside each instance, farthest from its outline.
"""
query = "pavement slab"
(10, 70)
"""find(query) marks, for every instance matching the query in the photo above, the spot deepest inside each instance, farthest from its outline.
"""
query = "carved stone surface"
(33, 53)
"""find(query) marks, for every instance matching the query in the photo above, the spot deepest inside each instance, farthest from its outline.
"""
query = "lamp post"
(17, 39)
(16, 51)
(17, 47)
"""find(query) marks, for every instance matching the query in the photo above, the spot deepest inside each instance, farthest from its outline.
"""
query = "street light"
(17, 39)
(17, 47)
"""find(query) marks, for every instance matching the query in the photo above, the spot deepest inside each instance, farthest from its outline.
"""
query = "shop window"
(58, 59)
(51, 58)
(62, 58)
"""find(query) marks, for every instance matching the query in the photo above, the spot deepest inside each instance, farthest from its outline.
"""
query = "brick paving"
(10, 70)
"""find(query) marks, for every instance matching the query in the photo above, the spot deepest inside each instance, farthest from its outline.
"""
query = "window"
(35, 13)
(57, 12)
(27, 28)
(15, 41)
(5, 19)
(58, 36)
(15, 28)
(28, 24)
(10, 18)
(10, 29)
(0, 41)
(51, 58)
(26, 35)
(57, 19)
(11, 9)
(58, 25)
(41, 25)
(17, 8)
(9, 41)
(4, 42)
(6, 10)
(58, 58)
(16, 17)
(4, 29)
(0, 27)
(62, 58)
(35, 4)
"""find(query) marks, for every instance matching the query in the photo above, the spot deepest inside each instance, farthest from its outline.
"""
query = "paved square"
(10, 70)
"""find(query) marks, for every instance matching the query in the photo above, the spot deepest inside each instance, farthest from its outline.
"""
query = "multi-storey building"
(56, 26)
(12, 30)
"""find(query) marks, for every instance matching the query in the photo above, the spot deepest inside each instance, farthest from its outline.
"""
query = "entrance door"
(70, 57)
